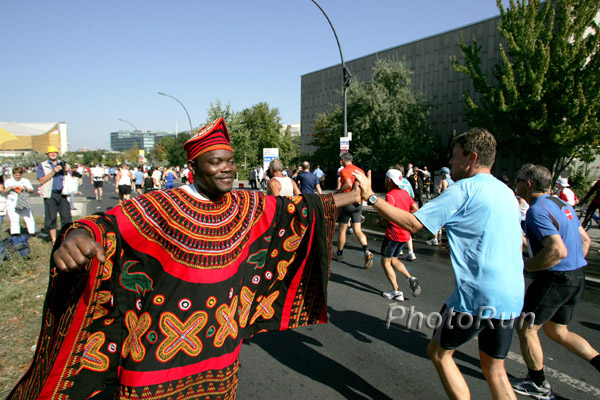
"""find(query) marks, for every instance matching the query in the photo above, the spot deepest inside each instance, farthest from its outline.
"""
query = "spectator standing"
(14, 187)
(77, 174)
(396, 237)
(488, 276)
(252, 178)
(320, 175)
(559, 245)
(260, 175)
(307, 181)
(416, 182)
(196, 269)
(50, 174)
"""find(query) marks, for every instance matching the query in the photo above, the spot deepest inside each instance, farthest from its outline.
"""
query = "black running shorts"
(351, 212)
(553, 295)
(390, 248)
(495, 335)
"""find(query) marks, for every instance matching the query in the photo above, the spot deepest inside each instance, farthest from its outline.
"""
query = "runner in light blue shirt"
(482, 220)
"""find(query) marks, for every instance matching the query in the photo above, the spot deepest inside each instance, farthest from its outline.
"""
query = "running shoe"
(350, 231)
(338, 256)
(393, 295)
(410, 256)
(368, 259)
(527, 387)
(432, 242)
(414, 286)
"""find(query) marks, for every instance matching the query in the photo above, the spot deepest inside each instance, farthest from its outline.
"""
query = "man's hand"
(365, 184)
(77, 250)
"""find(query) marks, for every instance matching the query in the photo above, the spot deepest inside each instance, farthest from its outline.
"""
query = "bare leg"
(343, 228)
(386, 263)
(453, 381)
(531, 348)
(362, 238)
(399, 266)
(409, 244)
(495, 375)
(572, 341)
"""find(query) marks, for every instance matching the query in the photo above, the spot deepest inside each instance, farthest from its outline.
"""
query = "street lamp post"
(186, 111)
(124, 120)
(347, 76)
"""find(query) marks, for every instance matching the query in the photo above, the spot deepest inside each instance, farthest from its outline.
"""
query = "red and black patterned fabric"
(184, 283)
(214, 136)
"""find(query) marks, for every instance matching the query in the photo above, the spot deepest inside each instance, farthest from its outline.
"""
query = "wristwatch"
(372, 199)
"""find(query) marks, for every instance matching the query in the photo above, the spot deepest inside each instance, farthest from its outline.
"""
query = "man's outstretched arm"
(345, 199)
(400, 217)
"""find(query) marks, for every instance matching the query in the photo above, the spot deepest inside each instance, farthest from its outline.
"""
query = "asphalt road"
(355, 356)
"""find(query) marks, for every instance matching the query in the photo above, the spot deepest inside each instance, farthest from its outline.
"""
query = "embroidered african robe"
(184, 283)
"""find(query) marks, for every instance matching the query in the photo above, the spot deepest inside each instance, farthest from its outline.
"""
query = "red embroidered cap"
(213, 136)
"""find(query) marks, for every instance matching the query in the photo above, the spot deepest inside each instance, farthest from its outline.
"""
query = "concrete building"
(428, 58)
(294, 129)
(17, 138)
(125, 140)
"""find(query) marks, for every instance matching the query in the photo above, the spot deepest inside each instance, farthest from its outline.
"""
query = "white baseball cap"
(395, 175)
(564, 182)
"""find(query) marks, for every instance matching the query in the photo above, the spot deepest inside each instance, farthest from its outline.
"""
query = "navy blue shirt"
(307, 181)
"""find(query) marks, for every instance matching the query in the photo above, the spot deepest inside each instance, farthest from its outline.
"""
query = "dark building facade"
(429, 59)
(125, 140)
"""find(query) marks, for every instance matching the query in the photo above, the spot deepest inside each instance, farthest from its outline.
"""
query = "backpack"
(20, 244)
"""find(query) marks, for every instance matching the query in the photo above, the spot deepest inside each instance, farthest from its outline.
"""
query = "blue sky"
(89, 63)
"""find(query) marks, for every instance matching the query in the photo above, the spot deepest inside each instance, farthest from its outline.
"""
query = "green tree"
(544, 99)
(387, 118)
(170, 149)
(241, 140)
(132, 156)
(260, 125)
(289, 147)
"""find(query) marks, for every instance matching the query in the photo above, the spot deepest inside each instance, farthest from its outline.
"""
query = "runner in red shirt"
(396, 237)
(352, 212)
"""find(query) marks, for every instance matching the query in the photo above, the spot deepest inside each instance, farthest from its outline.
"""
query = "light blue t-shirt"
(482, 220)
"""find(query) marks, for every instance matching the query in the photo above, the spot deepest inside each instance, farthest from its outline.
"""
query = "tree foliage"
(387, 118)
(132, 156)
(171, 149)
(544, 98)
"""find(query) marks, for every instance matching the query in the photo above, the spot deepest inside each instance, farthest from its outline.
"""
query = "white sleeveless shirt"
(287, 189)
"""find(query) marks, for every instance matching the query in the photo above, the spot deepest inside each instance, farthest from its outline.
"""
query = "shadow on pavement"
(295, 350)
(353, 283)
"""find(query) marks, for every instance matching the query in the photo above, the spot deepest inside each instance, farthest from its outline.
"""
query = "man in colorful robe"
(153, 298)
